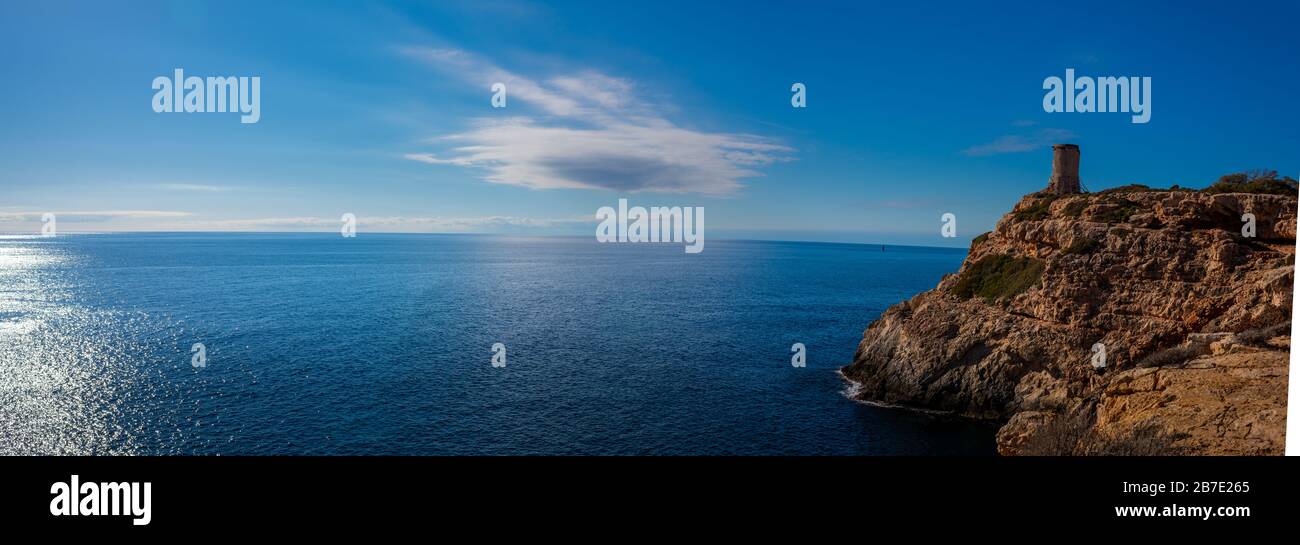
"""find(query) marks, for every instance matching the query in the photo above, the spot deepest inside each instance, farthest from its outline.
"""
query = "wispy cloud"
(194, 187)
(1017, 143)
(159, 220)
(408, 224)
(591, 132)
(89, 215)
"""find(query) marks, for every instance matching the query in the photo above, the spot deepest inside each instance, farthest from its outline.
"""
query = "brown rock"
(1164, 269)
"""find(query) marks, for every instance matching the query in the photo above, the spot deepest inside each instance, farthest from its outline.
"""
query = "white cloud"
(194, 187)
(90, 215)
(394, 224)
(154, 220)
(1017, 143)
(430, 159)
(592, 133)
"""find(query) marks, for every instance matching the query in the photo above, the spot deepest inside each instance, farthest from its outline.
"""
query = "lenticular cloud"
(591, 132)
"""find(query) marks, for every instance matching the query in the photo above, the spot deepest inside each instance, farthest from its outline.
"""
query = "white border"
(1293, 381)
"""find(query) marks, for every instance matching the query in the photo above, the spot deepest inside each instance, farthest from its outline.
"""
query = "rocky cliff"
(1192, 317)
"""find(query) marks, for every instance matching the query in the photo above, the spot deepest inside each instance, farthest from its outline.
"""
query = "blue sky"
(383, 111)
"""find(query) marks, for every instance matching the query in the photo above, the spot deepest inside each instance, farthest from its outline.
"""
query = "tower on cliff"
(1065, 170)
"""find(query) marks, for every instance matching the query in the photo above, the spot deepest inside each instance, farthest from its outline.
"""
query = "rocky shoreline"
(1192, 315)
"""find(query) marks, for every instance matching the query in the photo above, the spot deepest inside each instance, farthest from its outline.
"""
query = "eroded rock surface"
(1192, 316)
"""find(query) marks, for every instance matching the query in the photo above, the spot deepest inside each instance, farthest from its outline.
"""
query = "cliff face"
(1192, 317)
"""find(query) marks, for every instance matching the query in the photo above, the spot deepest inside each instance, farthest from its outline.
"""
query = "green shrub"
(1081, 246)
(1258, 181)
(1120, 214)
(1141, 188)
(1038, 210)
(980, 239)
(1075, 208)
(1130, 188)
(998, 277)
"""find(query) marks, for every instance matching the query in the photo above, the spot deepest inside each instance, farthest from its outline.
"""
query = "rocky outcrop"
(1191, 315)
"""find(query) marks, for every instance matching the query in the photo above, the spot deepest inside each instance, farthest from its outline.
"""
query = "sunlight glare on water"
(68, 383)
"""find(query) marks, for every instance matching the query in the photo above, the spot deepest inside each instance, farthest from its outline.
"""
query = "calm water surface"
(381, 344)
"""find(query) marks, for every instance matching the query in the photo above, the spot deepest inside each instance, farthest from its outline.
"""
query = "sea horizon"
(64, 232)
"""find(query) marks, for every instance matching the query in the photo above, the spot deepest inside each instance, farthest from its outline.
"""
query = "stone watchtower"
(1065, 170)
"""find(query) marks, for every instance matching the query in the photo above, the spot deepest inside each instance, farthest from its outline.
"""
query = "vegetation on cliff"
(1255, 182)
(1038, 210)
(1081, 246)
(998, 277)
(1258, 182)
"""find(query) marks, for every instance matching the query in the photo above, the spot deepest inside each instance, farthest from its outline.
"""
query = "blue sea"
(382, 344)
